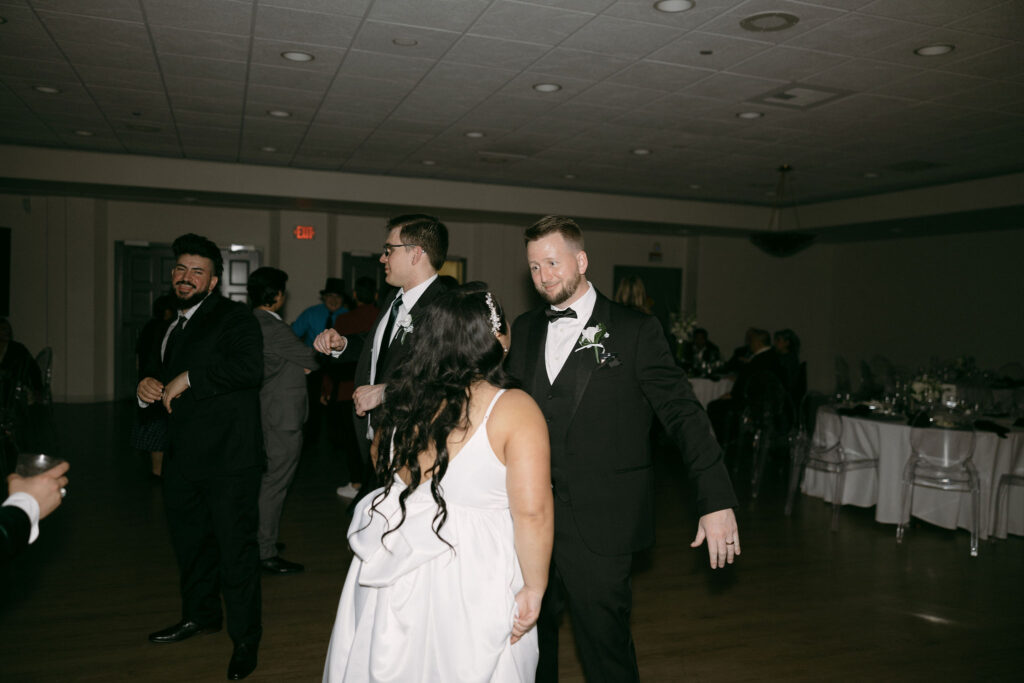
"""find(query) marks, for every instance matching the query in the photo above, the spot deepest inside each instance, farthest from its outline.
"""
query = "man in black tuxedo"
(415, 249)
(207, 372)
(597, 369)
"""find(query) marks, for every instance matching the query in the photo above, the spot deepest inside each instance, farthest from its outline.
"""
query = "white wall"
(909, 299)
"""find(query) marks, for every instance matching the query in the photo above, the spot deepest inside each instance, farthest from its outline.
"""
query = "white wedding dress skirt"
(414, 609)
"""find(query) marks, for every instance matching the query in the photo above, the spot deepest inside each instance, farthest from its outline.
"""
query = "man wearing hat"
(321, 316)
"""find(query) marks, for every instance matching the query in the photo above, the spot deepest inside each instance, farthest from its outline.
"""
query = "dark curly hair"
(453, 345)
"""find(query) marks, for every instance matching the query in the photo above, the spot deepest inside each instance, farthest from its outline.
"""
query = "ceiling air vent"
(799, 96)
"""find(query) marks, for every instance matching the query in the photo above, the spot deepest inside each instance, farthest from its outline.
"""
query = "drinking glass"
(31, 464)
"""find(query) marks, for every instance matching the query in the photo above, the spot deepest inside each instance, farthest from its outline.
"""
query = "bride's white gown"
(414, 609)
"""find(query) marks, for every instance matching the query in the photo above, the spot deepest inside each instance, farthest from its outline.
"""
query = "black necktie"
(174, 336)
(327, 323)
(554, 315)
(385, 341)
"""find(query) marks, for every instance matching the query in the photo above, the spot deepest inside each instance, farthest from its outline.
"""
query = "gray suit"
(283, 408)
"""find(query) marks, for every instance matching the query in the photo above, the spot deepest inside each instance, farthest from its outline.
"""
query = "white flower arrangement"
(682, 326)
(591, 338)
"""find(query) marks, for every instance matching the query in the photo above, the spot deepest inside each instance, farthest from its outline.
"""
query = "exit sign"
(304, 232)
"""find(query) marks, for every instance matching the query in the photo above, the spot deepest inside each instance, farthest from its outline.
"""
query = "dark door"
(355, 266)
(142, 273)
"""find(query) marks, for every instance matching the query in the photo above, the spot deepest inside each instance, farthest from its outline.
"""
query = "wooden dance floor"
(803, 604)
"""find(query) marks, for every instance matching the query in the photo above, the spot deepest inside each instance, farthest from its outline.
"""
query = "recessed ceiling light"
(84, 133)
(405, 42)
(673, 6)
(870, 174)
(279, 113)
(766, 22)
(474, 134)
(750, 115)
(46, 89)
(429, 162)
(547, 87)
(296, 56)
(268, 148)
(641, 151)
(934, 50)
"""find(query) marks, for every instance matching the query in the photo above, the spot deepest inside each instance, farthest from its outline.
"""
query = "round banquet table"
(890, 443)
(708, 390)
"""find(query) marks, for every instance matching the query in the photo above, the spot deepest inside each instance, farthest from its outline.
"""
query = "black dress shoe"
(243, 662)
(183, 630)
(279, 565)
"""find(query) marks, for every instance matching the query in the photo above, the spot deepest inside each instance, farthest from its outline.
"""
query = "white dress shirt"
(563, 333)
(409, 299)
(30, 505)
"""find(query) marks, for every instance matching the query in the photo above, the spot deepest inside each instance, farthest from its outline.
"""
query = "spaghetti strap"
(491, 406)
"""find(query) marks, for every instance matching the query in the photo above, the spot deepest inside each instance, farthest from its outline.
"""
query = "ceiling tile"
(724, 51)
(202, 87)
(732, 87)
(388, 67)
(1003, 62)
(282, 98)
(934, 12)
(180, 67)
(124, 10)
(856, 35)
(200, 44)
(658, 75)
(219, 16)
(332, 30)
(452, 15)
(529, 23)
(325, 59)
(967, 45)
(376, 36)
(355, 8)
(622, 38)
(787, 63)
(1003, 20)
(579, 64)
(261, 75)
(861, 75)
(810, 17)
(117, 34)
(503, 54)
(616, 95)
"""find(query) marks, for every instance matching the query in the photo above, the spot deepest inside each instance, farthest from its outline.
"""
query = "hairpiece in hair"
(495, 320)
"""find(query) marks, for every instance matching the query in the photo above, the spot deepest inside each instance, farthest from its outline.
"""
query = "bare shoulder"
(513, 411)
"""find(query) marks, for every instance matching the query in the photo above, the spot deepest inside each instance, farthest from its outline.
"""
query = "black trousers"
(213, 522)
(596, 590)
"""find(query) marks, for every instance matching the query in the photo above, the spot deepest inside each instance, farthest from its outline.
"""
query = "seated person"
(740, 355)
(787, 344)
(699, 352)
(764, 360)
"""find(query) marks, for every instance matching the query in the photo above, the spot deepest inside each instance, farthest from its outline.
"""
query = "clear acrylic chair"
(819, 447)
(1014, 478)
(764, 426)
(941, 458)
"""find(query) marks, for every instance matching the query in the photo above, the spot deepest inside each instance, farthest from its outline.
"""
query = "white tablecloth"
(890, 442)
(708, 390)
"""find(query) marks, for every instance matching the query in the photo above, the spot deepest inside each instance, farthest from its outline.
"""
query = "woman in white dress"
(452, 553)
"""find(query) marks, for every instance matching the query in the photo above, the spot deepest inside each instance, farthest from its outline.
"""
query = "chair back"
(828, 430)
(942, 438)
(45, 362)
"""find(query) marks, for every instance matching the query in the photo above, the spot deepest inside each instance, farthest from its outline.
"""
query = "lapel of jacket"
(195, 323)
(586, 365)
(536, 337)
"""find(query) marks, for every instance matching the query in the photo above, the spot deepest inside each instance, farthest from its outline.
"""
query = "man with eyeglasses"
(415, 249)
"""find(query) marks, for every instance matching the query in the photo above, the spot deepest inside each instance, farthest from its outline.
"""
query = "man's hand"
(45, 487)
(328, 341)
(722, 534)
(175, 388)
(368, 397)
(150, 390)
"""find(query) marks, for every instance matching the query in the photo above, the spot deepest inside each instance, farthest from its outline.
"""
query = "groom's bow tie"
(554, 315)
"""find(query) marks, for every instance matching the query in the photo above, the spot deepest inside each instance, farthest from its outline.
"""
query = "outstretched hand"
(723, 537)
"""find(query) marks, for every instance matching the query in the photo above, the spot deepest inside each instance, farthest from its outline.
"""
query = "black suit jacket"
(396, 352)
(14, 531)
(603, 466)
(215, 424)
(764, 363)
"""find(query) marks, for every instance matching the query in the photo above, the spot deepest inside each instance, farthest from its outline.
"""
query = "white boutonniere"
(591, 338)
(405, 327)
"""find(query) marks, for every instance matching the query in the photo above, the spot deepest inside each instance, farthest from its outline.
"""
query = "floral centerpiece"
(681, 326)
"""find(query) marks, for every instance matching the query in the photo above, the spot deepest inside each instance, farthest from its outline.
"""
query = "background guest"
(284, 405)
(740, 355)
(339, 383)
(787, 345)
(699, 351)
(631, 292)
(150, 430)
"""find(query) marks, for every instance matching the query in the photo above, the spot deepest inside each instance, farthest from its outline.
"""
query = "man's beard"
(562, 295)
(185, 304)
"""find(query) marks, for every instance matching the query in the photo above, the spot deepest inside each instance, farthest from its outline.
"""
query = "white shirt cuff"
(31, 507)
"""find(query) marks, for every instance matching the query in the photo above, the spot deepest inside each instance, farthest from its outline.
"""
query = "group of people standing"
(508, 467)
